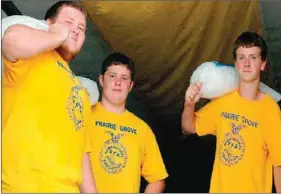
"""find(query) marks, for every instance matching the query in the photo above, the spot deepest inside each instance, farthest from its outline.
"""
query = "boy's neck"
(250, 90)
(118, 109)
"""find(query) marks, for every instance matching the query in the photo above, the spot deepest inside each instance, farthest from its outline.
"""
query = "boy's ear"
(264, 63)
(132, 84)
(101, 80)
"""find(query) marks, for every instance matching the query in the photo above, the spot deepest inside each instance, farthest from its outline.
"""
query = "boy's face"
(75, 21)
(116, 83)
(248, 62)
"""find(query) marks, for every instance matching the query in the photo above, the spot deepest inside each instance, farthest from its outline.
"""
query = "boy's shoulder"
(134, 118)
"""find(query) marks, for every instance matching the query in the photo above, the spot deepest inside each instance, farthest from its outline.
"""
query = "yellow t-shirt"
(124, 148)
(45, 114)
(248, 142)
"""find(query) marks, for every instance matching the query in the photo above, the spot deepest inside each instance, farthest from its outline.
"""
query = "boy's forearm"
(20, 42)
(188, 119)
(156, 187)
(88, 183)
(277, 178)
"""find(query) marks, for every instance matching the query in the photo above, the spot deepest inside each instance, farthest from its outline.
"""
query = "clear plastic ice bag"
(218, 79)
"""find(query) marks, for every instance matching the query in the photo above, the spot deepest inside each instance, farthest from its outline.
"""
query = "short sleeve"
(207, 118)
(273, 135)
(14, 73)
(153, 167)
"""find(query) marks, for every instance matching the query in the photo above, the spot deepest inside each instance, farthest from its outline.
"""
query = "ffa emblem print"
(75, 106)
(113, 155)
(74, 102)
(232, 148)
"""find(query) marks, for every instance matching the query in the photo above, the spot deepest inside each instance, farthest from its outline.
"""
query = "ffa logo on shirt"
(113, 155)
(75, 106)
(232, 147)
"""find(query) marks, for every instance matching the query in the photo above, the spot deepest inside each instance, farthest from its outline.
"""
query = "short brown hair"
(53, 11)
(250, 39)
(118, 59)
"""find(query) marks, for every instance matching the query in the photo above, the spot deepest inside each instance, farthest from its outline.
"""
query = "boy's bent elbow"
(10, 42)
(188, 130)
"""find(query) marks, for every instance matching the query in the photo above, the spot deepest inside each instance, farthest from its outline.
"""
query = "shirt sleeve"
(273, 135)
(15, 73)
(207, 117)
(153, 167)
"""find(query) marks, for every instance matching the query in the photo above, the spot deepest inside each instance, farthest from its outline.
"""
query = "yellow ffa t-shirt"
(124, 148)
(248, 142)
(45, 114)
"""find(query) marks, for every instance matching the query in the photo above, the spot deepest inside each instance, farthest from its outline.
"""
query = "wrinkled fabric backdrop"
(169, 39)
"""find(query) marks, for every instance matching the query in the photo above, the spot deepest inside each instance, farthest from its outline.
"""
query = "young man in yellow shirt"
(124, 147)
(246, 122)
(46, 111)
